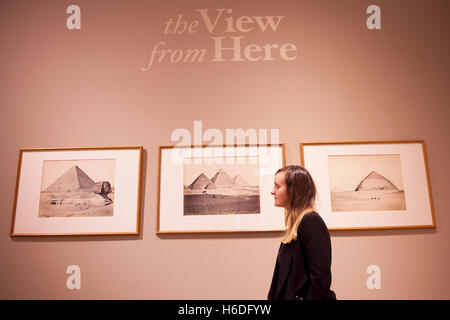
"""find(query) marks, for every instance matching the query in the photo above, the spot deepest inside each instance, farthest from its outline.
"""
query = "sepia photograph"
(213, 189)
(366, 183)
(78, 191)
(370, 184)
(77, 188)
(221, 186)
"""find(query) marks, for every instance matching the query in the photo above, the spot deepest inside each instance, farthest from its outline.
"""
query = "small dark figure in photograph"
(303, 264)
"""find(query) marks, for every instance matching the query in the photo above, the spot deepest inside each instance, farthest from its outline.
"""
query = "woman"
(303, 266)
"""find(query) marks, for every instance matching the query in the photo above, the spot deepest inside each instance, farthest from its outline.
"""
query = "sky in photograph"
(347, 171)
(246, 167)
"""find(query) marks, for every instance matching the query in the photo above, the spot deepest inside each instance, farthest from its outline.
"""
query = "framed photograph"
(77, 191)
(371, 185)
(218, 189)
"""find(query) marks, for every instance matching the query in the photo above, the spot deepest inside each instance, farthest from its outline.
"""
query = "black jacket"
(303, 266)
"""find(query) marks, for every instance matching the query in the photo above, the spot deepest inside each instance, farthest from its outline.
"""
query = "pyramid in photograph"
(210, 186)
(202, 182)
(240, 181)
(72, 180)
(222, 180)
(375, 181)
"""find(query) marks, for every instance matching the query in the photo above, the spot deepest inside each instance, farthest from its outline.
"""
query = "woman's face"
(279, 191)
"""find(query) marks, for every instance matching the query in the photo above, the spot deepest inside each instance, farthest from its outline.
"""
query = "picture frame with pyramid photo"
(77, 191)
(209, 189)
(372, 184)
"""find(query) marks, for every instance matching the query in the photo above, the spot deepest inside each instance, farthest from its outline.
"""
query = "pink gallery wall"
(316, 74)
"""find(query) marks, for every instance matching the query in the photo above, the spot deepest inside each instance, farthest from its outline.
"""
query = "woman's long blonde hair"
(301, 190)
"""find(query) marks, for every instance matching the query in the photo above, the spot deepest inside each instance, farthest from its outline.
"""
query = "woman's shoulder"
(313, 229)
(311, 220)
(311, 216)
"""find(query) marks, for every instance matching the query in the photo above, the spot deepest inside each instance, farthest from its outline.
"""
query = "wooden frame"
(371, 184)
(191, 199)
(77, 191)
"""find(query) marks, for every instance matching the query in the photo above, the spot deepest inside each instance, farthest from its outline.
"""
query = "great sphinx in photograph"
(75, 194)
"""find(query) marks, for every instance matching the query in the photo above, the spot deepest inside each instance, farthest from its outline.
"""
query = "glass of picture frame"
(371, 185)
(211, 189)
(77, 191)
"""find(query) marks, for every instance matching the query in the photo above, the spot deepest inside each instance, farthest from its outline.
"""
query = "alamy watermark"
(213, 146)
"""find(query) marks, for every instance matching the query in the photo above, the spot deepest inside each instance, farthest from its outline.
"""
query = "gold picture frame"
(371, 184)
(78, 191)
(218, 189)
